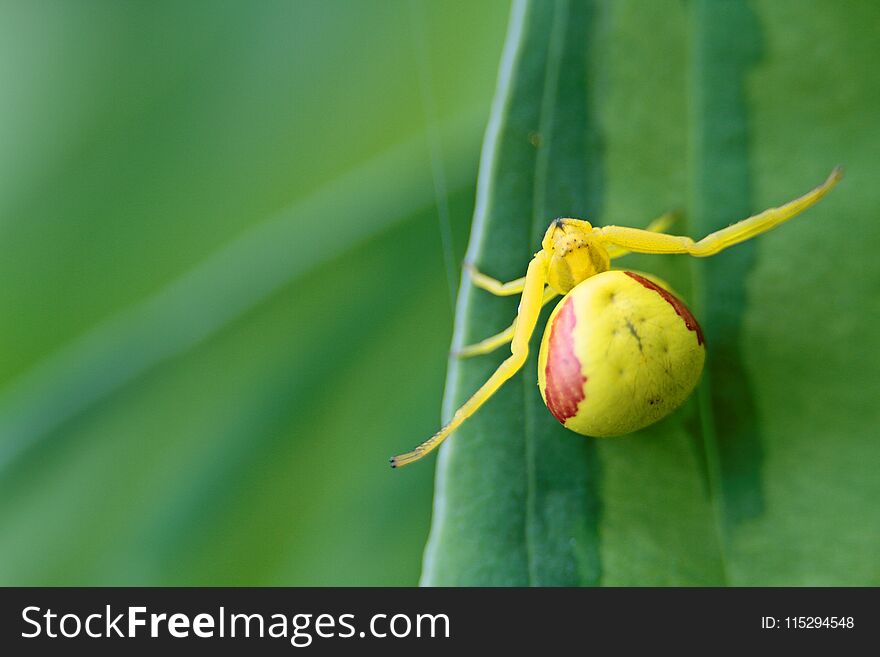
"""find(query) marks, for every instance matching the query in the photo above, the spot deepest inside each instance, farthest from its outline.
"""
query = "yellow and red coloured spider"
(620, 350)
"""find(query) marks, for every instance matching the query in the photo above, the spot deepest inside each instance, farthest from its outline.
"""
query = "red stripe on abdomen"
(682, 310)
(565, 380)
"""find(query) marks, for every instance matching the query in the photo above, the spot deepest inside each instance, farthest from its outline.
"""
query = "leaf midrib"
(542, 159)
(707, 424)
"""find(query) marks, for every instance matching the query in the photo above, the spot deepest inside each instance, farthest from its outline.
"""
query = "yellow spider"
(620, 350)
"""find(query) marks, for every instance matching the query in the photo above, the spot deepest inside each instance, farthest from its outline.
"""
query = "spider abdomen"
(619, 353)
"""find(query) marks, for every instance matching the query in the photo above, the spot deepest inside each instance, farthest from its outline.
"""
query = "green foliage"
(617, 111)
(224, 300)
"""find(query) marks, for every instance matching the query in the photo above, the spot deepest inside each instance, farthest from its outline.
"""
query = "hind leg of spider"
(499, 339)
(493, 285)
(527, 318)
(642, 241)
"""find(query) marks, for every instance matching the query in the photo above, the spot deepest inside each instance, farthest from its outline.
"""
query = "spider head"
(574, 254)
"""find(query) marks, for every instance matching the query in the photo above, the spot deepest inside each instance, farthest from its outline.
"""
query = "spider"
(620, 350)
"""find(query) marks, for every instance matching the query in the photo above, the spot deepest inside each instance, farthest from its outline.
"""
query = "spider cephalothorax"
(574, 254)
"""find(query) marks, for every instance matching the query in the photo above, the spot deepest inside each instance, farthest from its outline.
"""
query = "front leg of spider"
(492, 343)
(527, 317)
(640, 241)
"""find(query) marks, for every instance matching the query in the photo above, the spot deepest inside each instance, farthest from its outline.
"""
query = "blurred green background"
(230, 235)
(226, 285)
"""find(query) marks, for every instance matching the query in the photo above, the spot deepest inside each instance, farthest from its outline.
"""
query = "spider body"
(620, 350)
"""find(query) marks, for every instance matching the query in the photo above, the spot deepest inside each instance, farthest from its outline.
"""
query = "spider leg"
(642, 241)
(494, 286)
(659, 225)
(499, 339)
(529, 310)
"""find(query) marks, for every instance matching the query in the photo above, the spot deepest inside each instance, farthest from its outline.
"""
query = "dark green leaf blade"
(503, 503)
(727, 108)
(793, 315)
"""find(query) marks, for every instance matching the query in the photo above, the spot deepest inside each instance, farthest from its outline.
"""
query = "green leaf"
(218, 232)
(616, 112)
